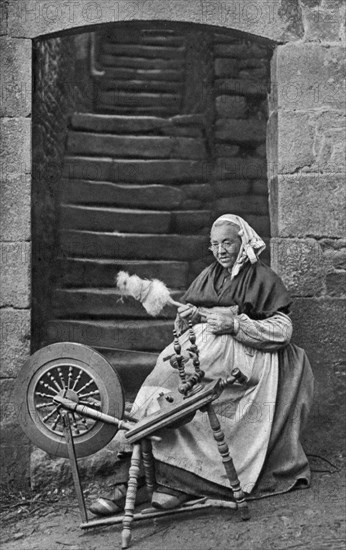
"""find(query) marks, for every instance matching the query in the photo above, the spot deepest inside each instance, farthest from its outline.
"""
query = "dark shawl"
(256, 290)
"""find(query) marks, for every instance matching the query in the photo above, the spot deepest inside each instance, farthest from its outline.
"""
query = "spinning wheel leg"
(228, 463)
(131, 495)
(148, 464)
(74, 467)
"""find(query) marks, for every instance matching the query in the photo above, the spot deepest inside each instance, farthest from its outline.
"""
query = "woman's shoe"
(106, 506)
(165, 498)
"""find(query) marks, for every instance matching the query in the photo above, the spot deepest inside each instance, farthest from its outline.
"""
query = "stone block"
(136, 171)
(224, 150)
(252, 63)
(323, 25)
(141, 50)
(312, 142)
(130, 245)
(115, 124)
(14, 462)
(250, 131)
(15, 148)
(200, 191)
(255, 204)
(142, 335)
(47, 471)
(295, 142)
(78, 272)
(191, 222)
(236, 86)
(15, 340)
(15, 208)
(231, 106)
(261, 151)
(300, 264)
(15, 77)
(8, 408)
(149, 196)
(259, 187)
(256, 74)
(240, 168)
(334, 250)
(272, 145)
(3, 17)
(308, 205)
(102, 303)
(14, 452)
(82, 143)
(225, 67)
(273, 20)
(93, 218)
(191, 204)
(140, 63)
(319, 327)
(227, 188)
(234, 187)
(244, 51)
(308, 76)
(15, 275)
(336, 283)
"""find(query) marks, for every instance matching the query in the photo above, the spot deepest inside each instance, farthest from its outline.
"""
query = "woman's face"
(225, 244)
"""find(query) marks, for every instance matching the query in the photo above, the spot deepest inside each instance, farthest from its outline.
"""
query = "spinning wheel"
(80, 374)
(72, 404)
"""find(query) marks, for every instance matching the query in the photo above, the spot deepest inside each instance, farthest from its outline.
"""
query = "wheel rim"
(76, 372)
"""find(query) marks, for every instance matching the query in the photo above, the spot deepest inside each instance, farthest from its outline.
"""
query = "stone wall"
(15, 243)
(60, 86)
(241, 69)
(306, 167)
(23, 288)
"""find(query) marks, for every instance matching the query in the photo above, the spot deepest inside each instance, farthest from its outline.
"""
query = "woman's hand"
(221, 321)
(187, 312)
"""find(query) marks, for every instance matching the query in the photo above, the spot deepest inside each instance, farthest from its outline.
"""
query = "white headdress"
(251, 244)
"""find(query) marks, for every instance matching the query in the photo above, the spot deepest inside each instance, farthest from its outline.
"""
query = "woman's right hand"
(187, 311)
(185, 314)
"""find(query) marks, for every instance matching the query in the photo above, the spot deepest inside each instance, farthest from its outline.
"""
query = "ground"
(306, 519)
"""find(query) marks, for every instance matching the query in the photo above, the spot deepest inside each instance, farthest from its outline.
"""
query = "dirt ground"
(307, 519)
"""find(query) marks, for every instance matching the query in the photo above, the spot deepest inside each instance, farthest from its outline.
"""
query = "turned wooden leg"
(149, 466)
(131, 495)
(74, 466)
(228, 463)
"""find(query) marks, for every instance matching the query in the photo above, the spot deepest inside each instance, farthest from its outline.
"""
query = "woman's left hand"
(221, 322)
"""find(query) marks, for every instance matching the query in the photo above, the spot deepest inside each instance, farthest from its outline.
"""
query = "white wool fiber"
(157, 297)
(121, 280)
(153, 295)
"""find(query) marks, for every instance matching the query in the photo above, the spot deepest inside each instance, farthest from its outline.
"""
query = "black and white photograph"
(172, 274)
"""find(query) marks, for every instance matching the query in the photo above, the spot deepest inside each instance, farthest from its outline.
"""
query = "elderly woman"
(240, 311)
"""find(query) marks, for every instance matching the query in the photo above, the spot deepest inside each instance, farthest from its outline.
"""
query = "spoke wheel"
(76, 372)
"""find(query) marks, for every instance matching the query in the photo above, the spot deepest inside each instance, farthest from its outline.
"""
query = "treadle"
(151, 513)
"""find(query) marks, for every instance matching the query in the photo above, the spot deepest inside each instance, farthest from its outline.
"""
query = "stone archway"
(304, 146)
